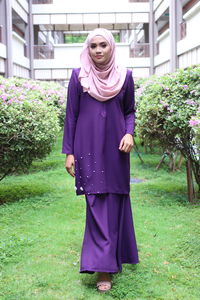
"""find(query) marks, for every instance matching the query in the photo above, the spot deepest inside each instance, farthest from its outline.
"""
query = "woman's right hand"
(69, 164)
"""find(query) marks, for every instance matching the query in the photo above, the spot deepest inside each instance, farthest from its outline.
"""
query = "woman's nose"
(98, 50)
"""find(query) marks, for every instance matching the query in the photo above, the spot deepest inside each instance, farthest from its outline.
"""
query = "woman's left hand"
(126, 143)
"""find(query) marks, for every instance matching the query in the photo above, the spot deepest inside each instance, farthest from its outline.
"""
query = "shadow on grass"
(45, 165)
(16, 191)
(40, 165)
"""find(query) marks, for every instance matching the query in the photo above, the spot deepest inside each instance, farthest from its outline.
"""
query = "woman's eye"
(92, 46)
(104, 45)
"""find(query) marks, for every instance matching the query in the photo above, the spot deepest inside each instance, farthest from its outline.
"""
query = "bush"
(29, 126)
(51, 93)
(166, 107)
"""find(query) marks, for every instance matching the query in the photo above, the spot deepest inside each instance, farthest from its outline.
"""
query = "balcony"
(62, 58)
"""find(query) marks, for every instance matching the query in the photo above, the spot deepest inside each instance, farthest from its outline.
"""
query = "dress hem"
(91, 270)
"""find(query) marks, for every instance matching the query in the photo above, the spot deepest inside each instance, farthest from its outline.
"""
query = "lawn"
(42, 225)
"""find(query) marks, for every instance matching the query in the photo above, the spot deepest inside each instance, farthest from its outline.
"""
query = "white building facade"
(153, 37)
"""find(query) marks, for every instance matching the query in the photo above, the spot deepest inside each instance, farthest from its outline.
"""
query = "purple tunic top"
(92, 133)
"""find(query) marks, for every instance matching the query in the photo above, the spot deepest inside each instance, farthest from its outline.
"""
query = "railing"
(43, 52)
(140, 50)
(183, 30)
(42, 1)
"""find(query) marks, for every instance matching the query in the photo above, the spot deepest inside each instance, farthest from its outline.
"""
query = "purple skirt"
(109, 239)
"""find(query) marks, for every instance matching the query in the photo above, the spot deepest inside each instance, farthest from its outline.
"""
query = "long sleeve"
(72, 111)
(129, 105)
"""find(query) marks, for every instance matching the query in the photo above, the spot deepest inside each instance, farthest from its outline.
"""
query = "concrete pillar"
(9, 59)
(151, 37)
(31, 41)
(173, 35)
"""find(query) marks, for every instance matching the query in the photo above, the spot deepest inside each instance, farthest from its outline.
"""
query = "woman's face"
(99, 50)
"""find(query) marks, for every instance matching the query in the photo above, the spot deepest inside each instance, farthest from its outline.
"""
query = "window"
(18, 25)
(163, 22)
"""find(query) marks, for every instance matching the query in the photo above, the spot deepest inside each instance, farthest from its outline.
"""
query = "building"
(173, 37)
(16, 57)
(154, 37)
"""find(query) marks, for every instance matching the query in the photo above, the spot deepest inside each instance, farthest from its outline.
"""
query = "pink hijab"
(101, 83)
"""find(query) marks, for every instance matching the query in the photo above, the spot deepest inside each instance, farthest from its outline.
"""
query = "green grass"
(42, 225)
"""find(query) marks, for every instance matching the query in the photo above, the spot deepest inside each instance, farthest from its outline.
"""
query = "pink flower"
(164, 103)
(192, 92)
(170, 109)
(4, 97)
(34, 87)
(10, 101)
(17, 101)
(194, 121)
(185, 86)
(190, 102)
(139, 91)
(61, 102)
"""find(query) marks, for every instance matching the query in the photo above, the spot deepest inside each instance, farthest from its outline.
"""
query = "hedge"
(29, 122)
(168, 113)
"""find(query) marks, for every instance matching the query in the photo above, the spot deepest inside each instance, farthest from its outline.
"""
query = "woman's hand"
(69, 164)
(126, 143)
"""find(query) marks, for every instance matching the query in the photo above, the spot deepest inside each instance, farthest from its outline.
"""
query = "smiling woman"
(100, 50)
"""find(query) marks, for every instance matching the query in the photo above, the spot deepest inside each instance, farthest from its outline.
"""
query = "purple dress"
(92, 133)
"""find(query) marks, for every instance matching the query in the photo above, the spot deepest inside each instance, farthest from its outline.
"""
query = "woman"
(98, 136)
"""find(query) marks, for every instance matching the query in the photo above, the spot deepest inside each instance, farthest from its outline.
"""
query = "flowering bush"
(167, 113)
(29, 125)
(17, 89)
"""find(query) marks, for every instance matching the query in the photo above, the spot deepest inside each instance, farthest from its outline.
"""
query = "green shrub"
(51, 93)
(166, 106)
(28, 129)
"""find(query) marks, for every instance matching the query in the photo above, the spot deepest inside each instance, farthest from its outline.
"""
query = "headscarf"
(105, 82)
